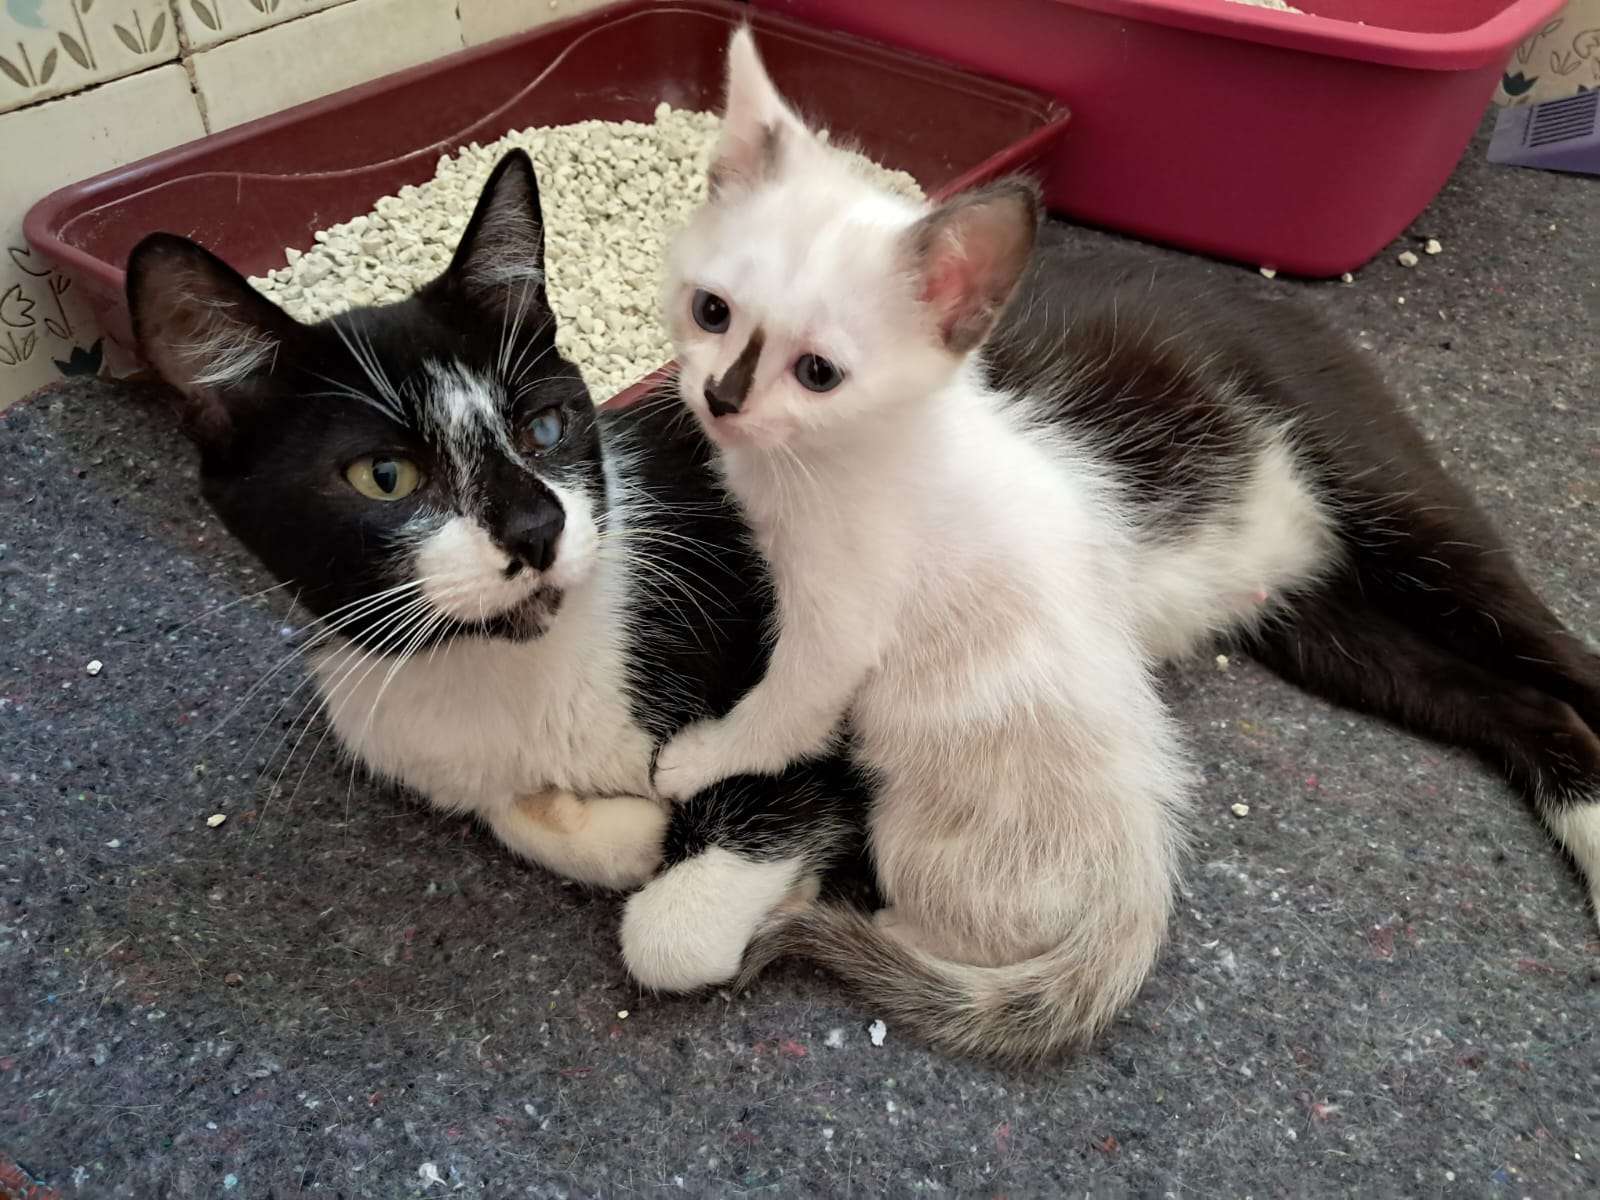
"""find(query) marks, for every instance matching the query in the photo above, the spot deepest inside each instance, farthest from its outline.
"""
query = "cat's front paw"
(691, 762)
(610, 842)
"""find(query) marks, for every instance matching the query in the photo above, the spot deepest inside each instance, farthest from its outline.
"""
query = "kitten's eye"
(817, 374)
(711, 312)
(544, 430)
(379, 477)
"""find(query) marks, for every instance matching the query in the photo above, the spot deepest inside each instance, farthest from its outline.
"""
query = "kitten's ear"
(967, 256)
(204, 329)
(757, 126)
(500, 260)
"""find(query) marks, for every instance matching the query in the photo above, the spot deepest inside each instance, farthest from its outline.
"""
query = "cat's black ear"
(968, 255)
(500, 261)
(757, 126)
(204, 329)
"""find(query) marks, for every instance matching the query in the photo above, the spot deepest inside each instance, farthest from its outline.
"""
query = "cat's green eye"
(544, 430)
(381, 477)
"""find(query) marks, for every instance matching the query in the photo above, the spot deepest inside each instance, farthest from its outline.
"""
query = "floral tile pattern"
(1561, 59)
(247, 57)
(46, 330)
(51, 47)
(207, 22)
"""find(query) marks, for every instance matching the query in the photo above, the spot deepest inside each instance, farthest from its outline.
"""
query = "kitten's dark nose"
(726, 396)
(720, 403)
(531, 537)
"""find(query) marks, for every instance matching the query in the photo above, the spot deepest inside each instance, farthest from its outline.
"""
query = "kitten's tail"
(1018, 1015)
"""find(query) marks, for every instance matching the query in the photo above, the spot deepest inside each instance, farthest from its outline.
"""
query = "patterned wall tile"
(45, 330)
(207, 22)
(1561, 59)
(51, 47)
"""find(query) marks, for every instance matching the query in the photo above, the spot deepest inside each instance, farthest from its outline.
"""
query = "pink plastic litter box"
(1301, 141)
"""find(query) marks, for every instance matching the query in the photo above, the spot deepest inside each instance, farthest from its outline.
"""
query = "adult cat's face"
(415, 471)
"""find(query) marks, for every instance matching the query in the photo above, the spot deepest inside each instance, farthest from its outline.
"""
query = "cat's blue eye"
(816, 373)
(711, 312)
(544, 430)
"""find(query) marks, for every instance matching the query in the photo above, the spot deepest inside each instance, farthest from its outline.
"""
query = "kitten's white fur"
(956, 577)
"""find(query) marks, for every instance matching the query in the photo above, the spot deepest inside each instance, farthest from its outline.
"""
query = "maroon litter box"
(249, 192)
(1303, 141)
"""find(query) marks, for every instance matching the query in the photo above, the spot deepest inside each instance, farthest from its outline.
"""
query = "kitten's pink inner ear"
(970, 255)
(948, 288)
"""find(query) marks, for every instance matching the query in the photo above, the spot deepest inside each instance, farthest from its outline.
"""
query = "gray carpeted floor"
(1382, 980)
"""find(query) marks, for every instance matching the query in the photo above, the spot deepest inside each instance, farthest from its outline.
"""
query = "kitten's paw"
(688, 927)
(610, 842)
(690, 762)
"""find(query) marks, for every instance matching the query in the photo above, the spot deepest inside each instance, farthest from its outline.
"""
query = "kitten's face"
(418, 471)
(790, 311)
(803, 298)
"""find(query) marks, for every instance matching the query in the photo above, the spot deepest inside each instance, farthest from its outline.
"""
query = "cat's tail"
(1018, 1015)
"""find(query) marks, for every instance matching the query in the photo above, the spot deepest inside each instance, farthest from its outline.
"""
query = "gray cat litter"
(612, 193)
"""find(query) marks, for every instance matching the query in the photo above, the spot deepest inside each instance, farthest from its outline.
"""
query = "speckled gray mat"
(1382, 980)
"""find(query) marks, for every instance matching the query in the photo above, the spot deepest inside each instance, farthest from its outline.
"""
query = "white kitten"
(948, 571)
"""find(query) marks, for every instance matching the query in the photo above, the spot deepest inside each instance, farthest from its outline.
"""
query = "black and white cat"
(517, 597)
(979, 544)
(539, 708)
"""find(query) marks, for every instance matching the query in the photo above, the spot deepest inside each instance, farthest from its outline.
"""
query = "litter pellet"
(612, 194)
(1240, 810)
(95, 667)
(1269, 272)
(1433, 246)
(216, 819)
(1347, 278)
(622, 1014)
(1408, 258)
(877, 1031)
(1222, 662)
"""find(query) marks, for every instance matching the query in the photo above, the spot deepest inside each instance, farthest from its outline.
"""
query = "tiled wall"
(86, 85)
(1561, 59)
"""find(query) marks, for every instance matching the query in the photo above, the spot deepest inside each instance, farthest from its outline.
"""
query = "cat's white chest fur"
(481, 722)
